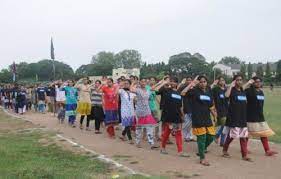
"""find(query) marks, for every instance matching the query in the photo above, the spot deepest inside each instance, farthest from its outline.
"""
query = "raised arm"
(228, 91)
(248, 84)
(133, 88)
(190, 86)
(215, 83)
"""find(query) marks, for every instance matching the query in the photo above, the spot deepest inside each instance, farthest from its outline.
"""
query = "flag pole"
(54, 72)
(14, 71)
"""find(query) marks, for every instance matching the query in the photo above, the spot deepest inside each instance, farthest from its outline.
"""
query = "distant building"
(232, 69)
(117, 73)
(228, 70)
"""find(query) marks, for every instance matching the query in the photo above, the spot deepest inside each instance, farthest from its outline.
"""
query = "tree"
(157, 70)
(105, 58)
(259, 71)
(267, 71)
(230, 60)
(250, 70)
(182, 65)
(44, 70)
(5, 76)
(128, 59)
(243, 70)
(278, 70)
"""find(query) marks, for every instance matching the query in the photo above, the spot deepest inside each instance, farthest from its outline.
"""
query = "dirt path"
(153, 163)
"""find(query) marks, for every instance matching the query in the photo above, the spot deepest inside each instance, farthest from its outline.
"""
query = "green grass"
(272, 111)
(29, 154)
(22, 156)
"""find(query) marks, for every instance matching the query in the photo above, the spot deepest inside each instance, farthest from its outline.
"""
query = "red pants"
(243, 145)
(110, 130)
(166, 131)
(264, 141)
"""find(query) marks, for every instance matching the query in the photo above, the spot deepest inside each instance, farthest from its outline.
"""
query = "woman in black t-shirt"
(236, 122)
(172, 114)
(221, 103)
(202, 105)
(257, 126)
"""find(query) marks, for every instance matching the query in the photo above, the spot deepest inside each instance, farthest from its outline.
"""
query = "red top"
(110, 98)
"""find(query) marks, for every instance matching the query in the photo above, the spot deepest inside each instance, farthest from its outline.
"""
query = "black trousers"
(97, 124)
(127, 131)
(88, 120)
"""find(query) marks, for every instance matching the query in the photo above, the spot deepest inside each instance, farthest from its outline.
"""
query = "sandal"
(122, 138)
(270, 153)
(226, 155)
(182, 154)
(154, 147)
(204, 163)
(247, 159)
(162, 151)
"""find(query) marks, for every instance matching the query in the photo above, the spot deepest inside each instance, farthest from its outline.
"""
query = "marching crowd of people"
(155, 109)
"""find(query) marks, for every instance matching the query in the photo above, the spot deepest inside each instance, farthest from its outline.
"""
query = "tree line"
(180, 65)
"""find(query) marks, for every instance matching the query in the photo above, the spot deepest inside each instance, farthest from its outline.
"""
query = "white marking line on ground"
(100, 156)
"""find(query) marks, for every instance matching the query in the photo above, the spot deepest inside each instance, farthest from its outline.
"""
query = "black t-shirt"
(15, 92)
(21, 97)
(201, 102)
(52, 91)
(48, 91)
(237, 109)
(162, 100)
(41, 93)
(221, 102)
(172, 103)
(255, 105)
(186, 101)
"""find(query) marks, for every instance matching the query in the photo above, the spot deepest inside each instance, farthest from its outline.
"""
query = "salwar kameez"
(110, 96)
(236, 125)
(202, 124)
(145, 119)
(71, 95)
(171, 118)
(257, 126)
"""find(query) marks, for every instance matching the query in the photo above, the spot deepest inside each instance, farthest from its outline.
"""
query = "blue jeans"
(187, 127)
(71, 119)
(219, 134)
(41, 106)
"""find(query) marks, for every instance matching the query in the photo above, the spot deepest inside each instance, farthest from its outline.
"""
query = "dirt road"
(153, 163)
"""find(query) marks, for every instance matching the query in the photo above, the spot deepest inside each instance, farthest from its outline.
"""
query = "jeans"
(41, 106)
(187, 127)
(220, 134)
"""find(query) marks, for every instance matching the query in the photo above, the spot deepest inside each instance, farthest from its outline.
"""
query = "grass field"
(23, 154)
(272, 111)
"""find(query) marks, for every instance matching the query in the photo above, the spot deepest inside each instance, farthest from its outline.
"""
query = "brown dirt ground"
(152, 162)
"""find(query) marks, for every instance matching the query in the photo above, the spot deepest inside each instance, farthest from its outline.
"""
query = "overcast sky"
(248, 29)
